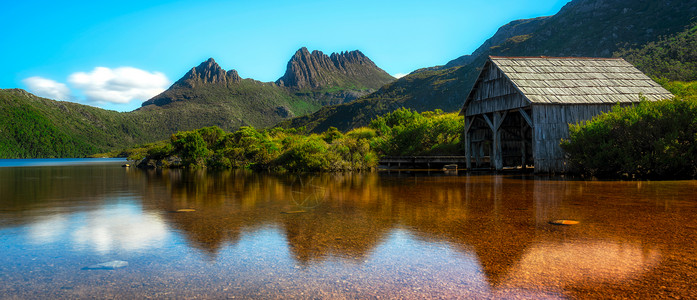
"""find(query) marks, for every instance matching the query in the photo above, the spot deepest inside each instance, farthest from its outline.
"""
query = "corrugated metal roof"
(574, 80)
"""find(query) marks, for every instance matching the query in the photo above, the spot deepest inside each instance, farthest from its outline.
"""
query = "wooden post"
(468, 142)
(492, 126)
(523, 161)
(478, 154)
(528, 120)
(498, 149)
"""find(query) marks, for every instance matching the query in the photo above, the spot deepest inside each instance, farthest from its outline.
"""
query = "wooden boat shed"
(519, 107)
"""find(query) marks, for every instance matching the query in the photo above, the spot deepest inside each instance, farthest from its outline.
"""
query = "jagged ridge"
(313, 70)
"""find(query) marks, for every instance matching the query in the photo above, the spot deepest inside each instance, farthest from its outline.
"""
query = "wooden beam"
(468, 123)
(488, 122)
(526, 117)
(501, 117)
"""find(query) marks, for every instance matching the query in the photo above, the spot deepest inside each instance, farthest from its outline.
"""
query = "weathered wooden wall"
(494, 93)
(551, 126)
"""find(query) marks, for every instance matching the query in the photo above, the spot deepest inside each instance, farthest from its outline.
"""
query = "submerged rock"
(563, 222)
(110, 265)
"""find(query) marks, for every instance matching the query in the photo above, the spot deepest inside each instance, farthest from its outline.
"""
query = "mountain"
(316, 70)
(593, 28)
(206, 95)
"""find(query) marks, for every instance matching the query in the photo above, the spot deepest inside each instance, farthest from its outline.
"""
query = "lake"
(86, 230)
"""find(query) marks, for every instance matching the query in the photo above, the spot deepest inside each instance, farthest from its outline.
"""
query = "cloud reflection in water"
(119, 227)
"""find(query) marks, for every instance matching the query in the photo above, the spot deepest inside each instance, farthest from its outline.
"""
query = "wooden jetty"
(422, 161)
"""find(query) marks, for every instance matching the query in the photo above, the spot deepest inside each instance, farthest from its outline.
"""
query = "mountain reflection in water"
(398, 234)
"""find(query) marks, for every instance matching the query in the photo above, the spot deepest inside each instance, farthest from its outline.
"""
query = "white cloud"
(399, 75)
(120, 85)
(48, 88)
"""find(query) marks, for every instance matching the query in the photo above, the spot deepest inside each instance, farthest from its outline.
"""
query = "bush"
(406, 132)
(191, 147)
(649, 140)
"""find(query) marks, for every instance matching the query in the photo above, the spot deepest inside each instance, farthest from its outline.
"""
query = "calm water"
(370, 235)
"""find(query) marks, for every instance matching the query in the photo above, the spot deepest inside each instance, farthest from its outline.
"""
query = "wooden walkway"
(427, 161)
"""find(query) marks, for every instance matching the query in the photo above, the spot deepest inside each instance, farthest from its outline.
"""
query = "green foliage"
(33, 135)
(649, 140)
(673, 57)
(402, 132)
(362, 133)
(331, 134)
(680, 89)
(406, 132)
(191, 146)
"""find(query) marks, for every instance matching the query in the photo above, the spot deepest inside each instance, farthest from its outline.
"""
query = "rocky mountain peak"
(317, 70)
(208, 72)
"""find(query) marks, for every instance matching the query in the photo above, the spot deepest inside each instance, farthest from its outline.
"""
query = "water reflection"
(105, 229)
(490, 233)
(123, 227)
(501, 221)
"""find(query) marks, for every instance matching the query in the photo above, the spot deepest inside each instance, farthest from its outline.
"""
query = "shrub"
(649, 140)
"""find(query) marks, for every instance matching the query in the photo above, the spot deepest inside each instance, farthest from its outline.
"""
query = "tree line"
(401, 132)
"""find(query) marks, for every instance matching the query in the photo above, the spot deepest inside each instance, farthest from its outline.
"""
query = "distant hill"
(207, 95)
(31, 127)
(592, 28)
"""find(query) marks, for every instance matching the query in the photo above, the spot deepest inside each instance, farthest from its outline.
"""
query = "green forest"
(402, 132)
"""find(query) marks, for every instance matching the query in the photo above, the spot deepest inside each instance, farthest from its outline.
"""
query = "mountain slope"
(31, 126)
(673, 57)
(207, 95)
(594, 28)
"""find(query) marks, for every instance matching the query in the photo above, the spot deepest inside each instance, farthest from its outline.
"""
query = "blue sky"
(117, 54)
